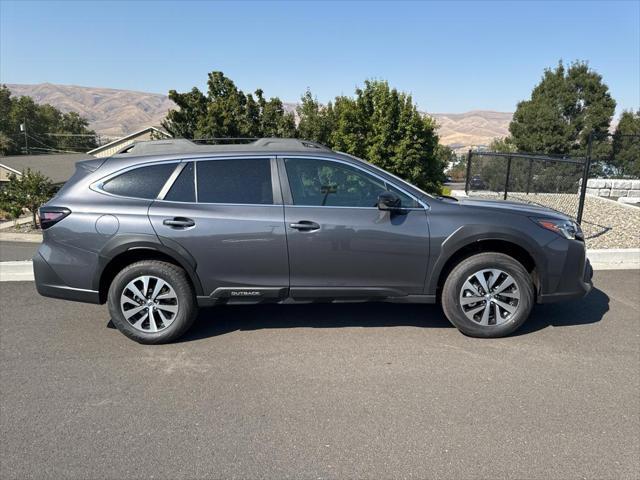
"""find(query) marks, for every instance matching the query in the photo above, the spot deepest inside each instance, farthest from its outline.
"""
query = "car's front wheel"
(488, 295)
(152, 302)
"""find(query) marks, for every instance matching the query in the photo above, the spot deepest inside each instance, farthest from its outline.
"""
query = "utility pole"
(23, 129)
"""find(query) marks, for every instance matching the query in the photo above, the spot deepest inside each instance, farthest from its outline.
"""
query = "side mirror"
(389, 201)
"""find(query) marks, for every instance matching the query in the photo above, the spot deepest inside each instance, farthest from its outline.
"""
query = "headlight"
(567, 228)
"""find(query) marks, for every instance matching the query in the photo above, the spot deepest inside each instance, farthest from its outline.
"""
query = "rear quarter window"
(143, 182)
(183, 189)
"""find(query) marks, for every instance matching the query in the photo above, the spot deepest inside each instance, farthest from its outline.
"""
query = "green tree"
(565, 107)
(185, 121)
(227, 112)
(48, 128)
(27, 191)
(626, 144)
(6, 144)
(380, 125)
(315, 120)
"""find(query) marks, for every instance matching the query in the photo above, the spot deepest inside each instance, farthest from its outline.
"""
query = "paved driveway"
(322, 391)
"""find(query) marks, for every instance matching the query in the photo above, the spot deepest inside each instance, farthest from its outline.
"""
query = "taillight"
(49, 216)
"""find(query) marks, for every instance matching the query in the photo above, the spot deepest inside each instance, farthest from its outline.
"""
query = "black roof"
(182, 145)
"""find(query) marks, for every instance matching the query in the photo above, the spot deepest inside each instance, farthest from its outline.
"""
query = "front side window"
(324, 183)
(240, 181)
(144, 182)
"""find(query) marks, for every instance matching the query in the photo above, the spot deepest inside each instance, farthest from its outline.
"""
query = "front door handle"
(304, 225)
(179, 222)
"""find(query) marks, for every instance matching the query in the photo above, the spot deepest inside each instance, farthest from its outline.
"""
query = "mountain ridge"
(114, 112)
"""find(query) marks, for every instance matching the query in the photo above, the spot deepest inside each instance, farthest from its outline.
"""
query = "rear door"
(340, 243)
(227, 213)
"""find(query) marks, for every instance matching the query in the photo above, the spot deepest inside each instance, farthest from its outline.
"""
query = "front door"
(228, 216)
(340, 244)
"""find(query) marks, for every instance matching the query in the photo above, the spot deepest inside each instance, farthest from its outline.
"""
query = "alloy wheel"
(490, 297)
(149, 304)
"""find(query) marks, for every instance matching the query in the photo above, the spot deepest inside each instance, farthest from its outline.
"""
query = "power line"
(95, 135)
(49, 147)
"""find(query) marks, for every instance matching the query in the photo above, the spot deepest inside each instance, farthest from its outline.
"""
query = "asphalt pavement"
(322, 391)
(15, 251)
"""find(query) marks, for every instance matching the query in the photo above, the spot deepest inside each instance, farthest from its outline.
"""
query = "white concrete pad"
(21, 271)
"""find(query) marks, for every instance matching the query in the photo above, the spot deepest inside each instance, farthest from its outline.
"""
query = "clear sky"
(452, 56)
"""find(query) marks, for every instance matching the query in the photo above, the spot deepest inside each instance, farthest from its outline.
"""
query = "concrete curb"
(615, 259)
(11, 223)
(611, 259)
(21, 237)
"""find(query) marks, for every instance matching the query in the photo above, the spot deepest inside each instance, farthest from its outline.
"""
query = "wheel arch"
(515, 247)
(124, 252)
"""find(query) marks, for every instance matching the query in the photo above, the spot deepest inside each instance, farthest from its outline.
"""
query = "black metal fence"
(521, 176)
(554, 182)
(558, 183)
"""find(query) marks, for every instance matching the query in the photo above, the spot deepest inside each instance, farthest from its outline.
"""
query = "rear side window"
(143, 182)
(243, 181)
(184, 188)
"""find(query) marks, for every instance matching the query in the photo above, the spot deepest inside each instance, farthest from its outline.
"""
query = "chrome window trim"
(226, 204)
(425, 206)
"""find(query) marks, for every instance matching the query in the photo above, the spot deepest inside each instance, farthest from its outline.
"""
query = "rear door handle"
(179, 222)
(305, 225)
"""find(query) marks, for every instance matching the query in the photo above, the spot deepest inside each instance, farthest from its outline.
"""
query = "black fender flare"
(468, 235)
(120, 244)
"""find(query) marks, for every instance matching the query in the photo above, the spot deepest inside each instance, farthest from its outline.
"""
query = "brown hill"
(478, 127)
(110, 112)
(114, 113)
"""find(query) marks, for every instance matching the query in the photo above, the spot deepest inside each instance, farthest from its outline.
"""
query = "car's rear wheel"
(488, 295)
(152, 302)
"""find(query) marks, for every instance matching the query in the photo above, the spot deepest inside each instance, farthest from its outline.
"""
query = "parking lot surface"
(322, 391)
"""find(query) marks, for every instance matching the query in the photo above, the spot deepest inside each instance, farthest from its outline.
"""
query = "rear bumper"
(49, 284)
(581, 287)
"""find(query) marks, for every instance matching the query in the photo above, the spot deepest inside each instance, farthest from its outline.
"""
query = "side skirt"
(253, 296)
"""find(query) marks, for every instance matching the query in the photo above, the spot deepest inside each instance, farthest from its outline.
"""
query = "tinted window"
(183, 189)
(407, 201)
(235, 181)
(143, 182)
(333, 184)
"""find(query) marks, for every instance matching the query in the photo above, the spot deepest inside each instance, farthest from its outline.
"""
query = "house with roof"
(111, 148)
(60, 166)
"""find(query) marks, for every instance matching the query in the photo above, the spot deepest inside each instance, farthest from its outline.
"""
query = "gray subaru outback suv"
(164, 227)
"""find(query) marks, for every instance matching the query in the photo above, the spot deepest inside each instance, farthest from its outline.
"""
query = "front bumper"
(49, 284)
(581, 287)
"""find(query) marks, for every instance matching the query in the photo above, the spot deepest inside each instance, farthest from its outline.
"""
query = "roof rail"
(183, 145)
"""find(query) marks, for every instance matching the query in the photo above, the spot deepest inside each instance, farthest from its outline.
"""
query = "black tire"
(177, 279)
(451, 302)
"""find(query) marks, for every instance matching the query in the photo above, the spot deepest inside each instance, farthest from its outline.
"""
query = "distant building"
(149, 133)
(58, 167)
